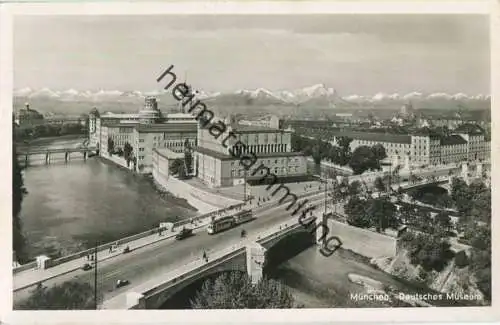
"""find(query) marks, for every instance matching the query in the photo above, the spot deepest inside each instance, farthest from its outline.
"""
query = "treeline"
(473, 203)
(48, 130)
(427, 238)
(363, 158)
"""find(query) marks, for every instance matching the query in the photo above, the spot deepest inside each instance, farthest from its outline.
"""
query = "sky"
(355, 54)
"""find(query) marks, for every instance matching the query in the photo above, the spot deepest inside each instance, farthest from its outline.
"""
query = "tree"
(478, 236)
(395, 173)
(408, 214)
(443, 221)
(354, 188)
(336, 155)
(443, 201)
(111, 146)
(423, 221)
(480, 263)
(461, 195)
(382, 214)
(379, 184)
(18, 193)
(461, 259)
(362, 159)
(175, 167)
(481, 202)
(66, 296)
(356, 210)
(188, 159)
(428, 251)
(344, 143)
(236, 291)
(127, 152)
(379, 152)
(316, 155)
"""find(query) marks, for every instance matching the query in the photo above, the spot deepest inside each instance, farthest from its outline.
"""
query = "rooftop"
(169, 154)
(470, 129)
(223, 156)
(180, 115)
(452, 140)
(374, 136)
(167, 127)
(114, 124)
(255, 129)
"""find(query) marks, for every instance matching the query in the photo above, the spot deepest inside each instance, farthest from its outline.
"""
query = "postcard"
(249, 161)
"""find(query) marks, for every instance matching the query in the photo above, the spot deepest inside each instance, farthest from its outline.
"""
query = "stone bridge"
(46, 155)
(443, 182)
(466, 173)
(247, 256)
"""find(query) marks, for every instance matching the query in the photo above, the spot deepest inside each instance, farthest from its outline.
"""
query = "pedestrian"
(110, 249)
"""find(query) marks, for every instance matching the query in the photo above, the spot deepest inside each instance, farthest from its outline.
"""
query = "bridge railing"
(122, 241)
(199, 265)
(55, 150)
(193, 268)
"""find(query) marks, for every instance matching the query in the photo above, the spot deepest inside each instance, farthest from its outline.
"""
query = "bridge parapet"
(153, 293)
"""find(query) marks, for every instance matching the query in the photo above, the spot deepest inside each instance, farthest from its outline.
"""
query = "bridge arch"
(180, 296)
(161, 299)
(284, 248)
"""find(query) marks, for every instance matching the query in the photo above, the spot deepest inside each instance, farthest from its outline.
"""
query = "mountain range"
(316, 96)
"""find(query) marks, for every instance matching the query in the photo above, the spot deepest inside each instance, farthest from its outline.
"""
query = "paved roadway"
(141, 265)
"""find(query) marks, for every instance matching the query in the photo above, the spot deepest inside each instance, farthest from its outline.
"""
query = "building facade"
(272, 148)
(28, 117)
(467, 143)
(145, 131)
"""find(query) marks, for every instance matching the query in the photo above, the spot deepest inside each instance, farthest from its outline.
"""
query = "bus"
(229, 221)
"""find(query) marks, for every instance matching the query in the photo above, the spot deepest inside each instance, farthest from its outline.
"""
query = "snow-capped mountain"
(318, 95)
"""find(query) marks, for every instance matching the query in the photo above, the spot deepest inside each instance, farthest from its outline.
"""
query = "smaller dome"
(94, 112)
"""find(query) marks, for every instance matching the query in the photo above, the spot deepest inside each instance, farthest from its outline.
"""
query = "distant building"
(272, 122)
(27, 116)
(466, 143)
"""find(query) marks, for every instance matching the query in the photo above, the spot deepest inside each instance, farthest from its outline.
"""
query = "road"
(143, 264)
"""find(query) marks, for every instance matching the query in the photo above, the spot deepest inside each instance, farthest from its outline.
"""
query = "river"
(71, 206)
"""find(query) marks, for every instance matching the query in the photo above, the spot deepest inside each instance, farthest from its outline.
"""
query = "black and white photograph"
(182, 161)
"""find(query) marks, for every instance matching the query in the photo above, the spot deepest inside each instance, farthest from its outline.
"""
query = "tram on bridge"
(227, 222)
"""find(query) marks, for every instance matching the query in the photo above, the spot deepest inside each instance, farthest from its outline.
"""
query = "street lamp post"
(245, 186)
(326, 185)
(95, 276)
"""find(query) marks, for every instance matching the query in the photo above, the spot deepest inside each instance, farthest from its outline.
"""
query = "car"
(184, 233)
(86, 266)
(122, 283)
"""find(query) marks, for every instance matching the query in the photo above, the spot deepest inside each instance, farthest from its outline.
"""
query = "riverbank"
(452, 280)
(71, 207)
(163, 194)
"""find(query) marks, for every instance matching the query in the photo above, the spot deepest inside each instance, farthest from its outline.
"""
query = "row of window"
(276, 161)
(265, 148)
(265, 136)
(276, 171)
